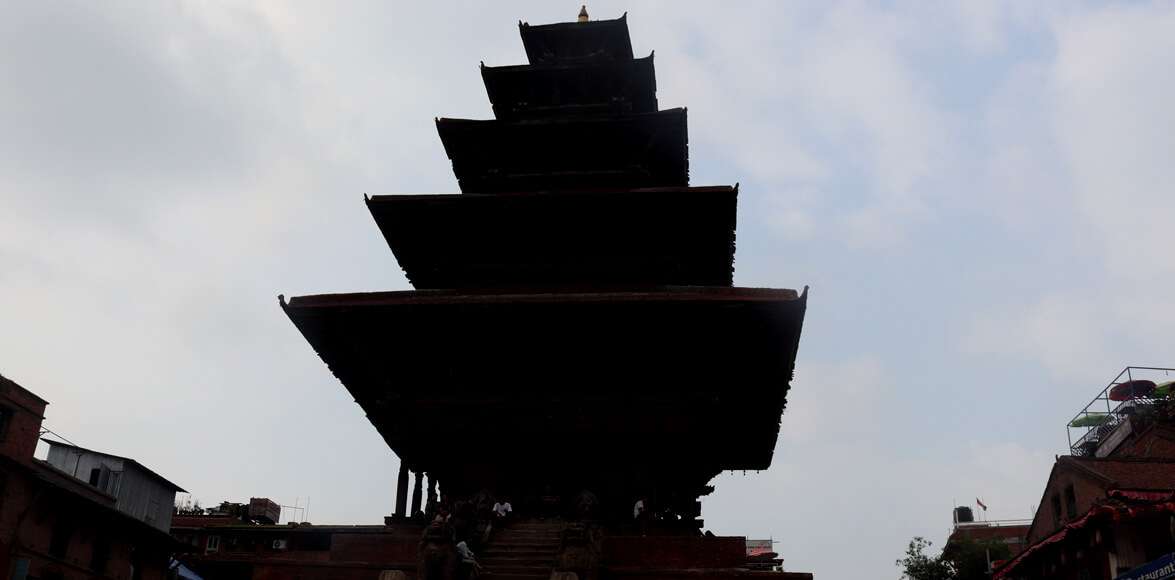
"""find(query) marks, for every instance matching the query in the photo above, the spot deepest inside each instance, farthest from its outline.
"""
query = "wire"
(45, 430)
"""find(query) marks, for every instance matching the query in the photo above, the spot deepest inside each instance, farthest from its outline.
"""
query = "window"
(95, 476)
(1070, 503)
(101, 554)
(213, 544)
(1056, 511)
(310, 541)
(59, 540)
(152, 511)
(5, 421)
(3, 489)
(136, 568)
(20, 570)
(114, 478)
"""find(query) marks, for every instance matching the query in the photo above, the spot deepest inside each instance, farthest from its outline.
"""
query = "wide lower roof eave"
(662, 294)
(394, 197)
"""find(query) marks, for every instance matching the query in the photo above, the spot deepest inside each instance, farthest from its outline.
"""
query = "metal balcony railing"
(1092, 425)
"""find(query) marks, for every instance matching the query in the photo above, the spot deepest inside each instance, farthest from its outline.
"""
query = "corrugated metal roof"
(145, 469)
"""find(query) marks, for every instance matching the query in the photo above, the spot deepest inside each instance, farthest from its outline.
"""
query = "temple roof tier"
(628, 151)
(545, 90)
(650, 237)
(569, 41)
(687, 378)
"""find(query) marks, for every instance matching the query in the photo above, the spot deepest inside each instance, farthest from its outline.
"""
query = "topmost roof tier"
(577, 41)
(582, 116)
(576, 69)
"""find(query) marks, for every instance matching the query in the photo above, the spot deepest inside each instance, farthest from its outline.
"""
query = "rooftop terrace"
(1100, 425)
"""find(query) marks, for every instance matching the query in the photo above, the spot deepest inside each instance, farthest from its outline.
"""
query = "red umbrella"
(1131, 390)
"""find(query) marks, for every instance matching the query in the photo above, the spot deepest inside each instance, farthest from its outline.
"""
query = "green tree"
(964, 559)
(917, 565)
(970, 558)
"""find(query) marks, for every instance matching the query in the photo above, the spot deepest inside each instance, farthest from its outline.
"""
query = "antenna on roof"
(583, 15)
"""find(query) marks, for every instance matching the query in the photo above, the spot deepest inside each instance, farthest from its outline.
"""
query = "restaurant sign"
(1160, 569)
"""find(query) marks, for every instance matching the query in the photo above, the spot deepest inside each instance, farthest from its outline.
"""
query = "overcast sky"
(979, 195)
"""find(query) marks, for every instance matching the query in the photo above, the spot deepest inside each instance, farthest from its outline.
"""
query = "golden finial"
(583, 17)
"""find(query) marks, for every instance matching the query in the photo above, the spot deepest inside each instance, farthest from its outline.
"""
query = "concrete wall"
(31, 511)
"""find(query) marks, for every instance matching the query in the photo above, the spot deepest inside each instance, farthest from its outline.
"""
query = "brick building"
(225, 547)
(1108, 509)
(1011, 533)
(54, 526)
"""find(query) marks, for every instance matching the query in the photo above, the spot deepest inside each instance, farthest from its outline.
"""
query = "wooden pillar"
(430, 498)
(417, 489)
(402, 491)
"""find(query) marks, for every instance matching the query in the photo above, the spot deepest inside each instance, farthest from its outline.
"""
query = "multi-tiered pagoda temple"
(574, 324)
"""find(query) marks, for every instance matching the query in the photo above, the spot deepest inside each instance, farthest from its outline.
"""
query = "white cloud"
(847, 467)
(1064, 333)
(1116, 125)
(1086, 145)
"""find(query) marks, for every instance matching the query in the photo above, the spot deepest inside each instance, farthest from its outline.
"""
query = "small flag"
(981, 504)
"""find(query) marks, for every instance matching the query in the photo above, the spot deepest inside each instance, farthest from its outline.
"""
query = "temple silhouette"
(574, 341)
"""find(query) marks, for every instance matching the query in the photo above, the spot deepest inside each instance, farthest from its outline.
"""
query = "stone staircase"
(523, 550)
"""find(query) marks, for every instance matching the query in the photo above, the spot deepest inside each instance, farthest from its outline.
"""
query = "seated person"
(641, 513)
(502, 510)
(468, 563)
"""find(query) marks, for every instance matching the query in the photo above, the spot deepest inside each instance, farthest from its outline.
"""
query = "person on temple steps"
(640, 513)
(470, 569)
(503, 511)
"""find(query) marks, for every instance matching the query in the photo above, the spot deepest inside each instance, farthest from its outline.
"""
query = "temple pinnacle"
(583, 15)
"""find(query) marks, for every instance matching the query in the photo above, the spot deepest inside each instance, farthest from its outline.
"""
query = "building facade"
(54, 526)
(224, 547)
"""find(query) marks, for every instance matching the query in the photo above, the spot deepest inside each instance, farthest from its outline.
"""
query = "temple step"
(494, 576)
(519, 554)
(540, 544)
(515, 558)
(544, 570)
(522, 550)
(528, 553)
(530, 531)
(536, 524)
(491, 558)
(523, 539)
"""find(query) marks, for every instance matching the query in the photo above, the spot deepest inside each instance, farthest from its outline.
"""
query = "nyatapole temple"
(574, 342)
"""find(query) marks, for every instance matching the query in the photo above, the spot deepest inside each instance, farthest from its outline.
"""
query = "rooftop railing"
(1091, 426)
